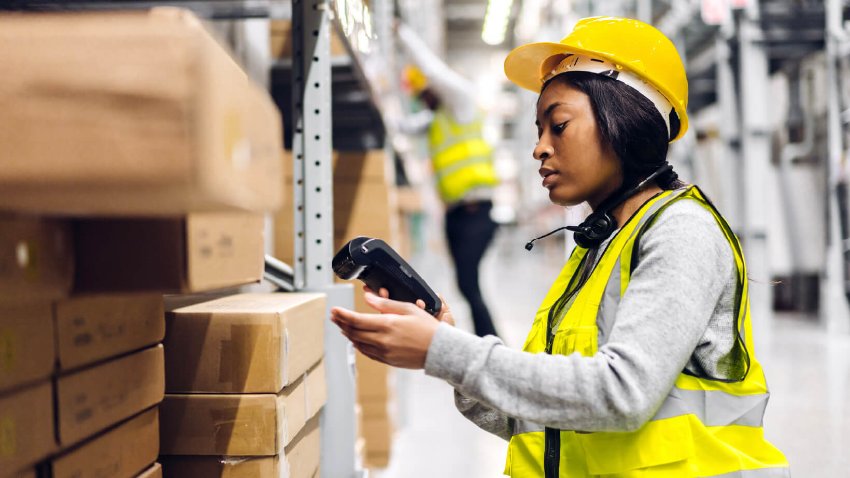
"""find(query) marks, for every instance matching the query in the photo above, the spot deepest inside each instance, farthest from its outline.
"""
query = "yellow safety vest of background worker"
(462, 159)
(706, 426)
(462, 164)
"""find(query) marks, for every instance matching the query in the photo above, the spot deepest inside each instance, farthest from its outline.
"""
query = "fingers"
(389, 306)
(383, 292)
(356, 320)
(359, 336)
(445, 305)
(445, 314)
(420, 303)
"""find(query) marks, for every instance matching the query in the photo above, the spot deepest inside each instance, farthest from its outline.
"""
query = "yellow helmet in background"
(628, 44)
(415, 80)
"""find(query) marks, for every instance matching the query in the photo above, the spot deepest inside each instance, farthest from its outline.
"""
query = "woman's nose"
(542, 150)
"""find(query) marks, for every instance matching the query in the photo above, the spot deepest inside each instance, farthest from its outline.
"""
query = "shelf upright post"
(313, 221)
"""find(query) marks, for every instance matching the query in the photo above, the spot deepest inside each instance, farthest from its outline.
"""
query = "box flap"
(94, 398)
(122, 451)
(244, 425)
(223, 250)
(96, 327)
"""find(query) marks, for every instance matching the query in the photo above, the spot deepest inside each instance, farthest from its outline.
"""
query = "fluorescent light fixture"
(496, 21)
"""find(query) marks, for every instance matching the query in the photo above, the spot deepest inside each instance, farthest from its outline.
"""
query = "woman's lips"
(549, 179)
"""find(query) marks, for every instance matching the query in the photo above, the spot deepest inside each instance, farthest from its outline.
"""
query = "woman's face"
(574, 164)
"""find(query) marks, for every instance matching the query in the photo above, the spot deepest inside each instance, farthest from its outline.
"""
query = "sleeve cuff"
(450, 350)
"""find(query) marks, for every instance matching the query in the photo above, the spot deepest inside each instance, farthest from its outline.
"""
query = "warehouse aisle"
(808, 416)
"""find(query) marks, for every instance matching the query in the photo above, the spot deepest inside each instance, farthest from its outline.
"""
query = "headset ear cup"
(595, 229)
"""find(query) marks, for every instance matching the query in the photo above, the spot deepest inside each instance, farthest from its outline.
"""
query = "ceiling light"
(496, 21)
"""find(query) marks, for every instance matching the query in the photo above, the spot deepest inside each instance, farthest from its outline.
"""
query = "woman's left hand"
(399, 335)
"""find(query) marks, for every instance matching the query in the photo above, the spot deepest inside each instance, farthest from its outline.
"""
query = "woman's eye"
(558, 128)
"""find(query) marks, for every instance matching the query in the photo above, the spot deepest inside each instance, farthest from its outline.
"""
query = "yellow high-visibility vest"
(462, 160)
(704, 428)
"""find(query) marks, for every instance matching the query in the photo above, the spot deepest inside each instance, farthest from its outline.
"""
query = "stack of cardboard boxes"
(365, 204)
(245, 383)
(131, 142)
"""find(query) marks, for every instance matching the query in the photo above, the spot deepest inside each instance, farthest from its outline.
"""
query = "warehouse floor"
(808, 371)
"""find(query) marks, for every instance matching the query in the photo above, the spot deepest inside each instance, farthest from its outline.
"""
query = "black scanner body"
(375, 263)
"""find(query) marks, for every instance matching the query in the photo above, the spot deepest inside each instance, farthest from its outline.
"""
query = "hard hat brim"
(523, 67)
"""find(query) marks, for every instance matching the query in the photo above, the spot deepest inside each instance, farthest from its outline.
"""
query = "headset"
(601, 223)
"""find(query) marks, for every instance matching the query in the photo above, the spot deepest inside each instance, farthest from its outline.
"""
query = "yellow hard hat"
(414, 78)
(627, 45)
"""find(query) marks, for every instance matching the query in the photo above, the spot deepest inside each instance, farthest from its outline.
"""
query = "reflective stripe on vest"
(461, 159)
(704, 427)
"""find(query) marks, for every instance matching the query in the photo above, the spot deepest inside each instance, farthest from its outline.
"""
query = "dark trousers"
(469, 230)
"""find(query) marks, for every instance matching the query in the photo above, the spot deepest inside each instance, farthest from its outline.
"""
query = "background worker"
(640, 360)
(462, 163)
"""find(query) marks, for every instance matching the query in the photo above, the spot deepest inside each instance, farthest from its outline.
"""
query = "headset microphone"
(600, 224)
(530, 244)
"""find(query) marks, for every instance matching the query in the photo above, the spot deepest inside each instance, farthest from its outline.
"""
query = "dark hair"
(430, 98)
(629, 123)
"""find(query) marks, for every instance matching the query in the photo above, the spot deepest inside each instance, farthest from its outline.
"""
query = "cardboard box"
(352, 167)
(155, 471)
(26, 428)
(376, 460)
(95, 398)
(379, 409)
(240, 425)
(96, 327)
(196, 252)
(373, 378)
(27, 350)
(364, 201)
(378, 434)
(125, 450)
(138, 113)
(36, 256)
(245, 343)
(299, 460)
(364, 209)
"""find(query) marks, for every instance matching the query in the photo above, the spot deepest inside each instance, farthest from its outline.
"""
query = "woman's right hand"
(445, 314)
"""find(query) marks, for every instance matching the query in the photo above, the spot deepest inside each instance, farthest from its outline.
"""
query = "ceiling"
(464, 20)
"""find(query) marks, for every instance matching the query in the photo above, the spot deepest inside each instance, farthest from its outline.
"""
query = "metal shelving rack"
(312, 76)
(311, 119)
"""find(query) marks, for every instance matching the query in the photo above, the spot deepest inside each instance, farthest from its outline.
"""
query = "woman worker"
(640, 360)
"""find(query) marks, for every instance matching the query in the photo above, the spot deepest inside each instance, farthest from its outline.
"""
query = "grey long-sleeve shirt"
(677, 313)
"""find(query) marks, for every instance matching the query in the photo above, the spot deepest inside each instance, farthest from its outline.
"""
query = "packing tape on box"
(234, 365)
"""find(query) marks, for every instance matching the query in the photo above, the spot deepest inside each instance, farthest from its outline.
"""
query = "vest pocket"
(525, 455)
(665, 445)
(581, 339)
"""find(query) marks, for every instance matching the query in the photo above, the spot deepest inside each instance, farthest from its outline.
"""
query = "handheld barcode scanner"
(378, 265)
